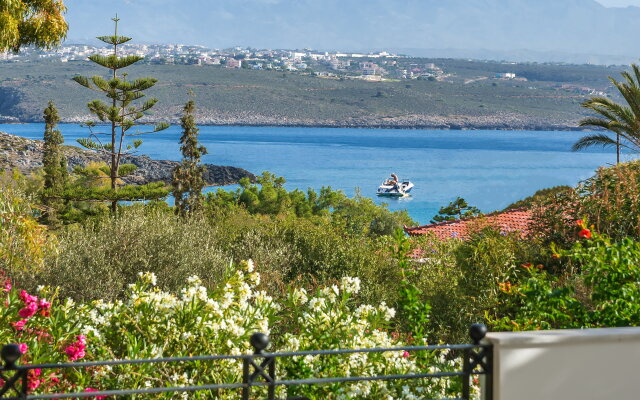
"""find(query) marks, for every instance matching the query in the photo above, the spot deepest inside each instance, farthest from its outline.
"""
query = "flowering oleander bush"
(151, 323)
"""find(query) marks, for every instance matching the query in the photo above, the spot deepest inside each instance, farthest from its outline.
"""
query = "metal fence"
(259, 370)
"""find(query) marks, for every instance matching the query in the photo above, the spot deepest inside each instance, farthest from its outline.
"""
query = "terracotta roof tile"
(508, 221)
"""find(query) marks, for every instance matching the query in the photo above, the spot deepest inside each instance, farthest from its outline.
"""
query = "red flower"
(526, 266)
(95, 390)
(585, 233)
(579, 222)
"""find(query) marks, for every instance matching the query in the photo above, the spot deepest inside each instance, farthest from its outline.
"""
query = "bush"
(150, 323)
(605, 291)
(610, 200)
(99, 258)
(24, 243)
(460, 278)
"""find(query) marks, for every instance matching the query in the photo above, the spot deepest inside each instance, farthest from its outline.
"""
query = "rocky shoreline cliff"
(26, 156)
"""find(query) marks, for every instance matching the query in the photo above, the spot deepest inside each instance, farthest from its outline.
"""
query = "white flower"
(350, 285)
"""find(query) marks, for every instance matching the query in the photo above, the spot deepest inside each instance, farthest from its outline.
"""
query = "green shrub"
(98, 259)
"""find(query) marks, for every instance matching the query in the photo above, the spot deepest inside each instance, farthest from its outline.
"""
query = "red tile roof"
(509, 221)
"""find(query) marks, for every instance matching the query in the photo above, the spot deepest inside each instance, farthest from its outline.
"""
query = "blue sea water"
(490, 169)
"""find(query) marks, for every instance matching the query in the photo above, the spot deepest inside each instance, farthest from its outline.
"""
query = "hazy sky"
(544, 26)
(619, 3)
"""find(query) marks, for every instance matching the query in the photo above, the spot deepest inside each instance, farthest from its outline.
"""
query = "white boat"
(395, 187)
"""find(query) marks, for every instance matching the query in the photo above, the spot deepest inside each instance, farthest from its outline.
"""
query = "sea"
(490, 169)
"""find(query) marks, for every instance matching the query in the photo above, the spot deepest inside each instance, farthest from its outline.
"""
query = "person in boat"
(393, 180)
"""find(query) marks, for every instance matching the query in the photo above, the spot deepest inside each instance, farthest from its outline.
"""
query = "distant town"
(378, 66)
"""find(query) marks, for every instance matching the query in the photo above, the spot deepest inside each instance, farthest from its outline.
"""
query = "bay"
(490, 169)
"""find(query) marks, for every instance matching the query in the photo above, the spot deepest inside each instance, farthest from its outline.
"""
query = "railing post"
(10, 354)
(246, 390)
(473, 359)
(260, 342)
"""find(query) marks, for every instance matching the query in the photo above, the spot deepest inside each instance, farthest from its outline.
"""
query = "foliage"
(151, 323)
(142, 238)
(31, 22)
(623, 120)
(610, 200)
(357, 216)
(604, 293)
(538, 197)
(459, 278)
(188, 179)
(55, 167)
(457, 209)
(24, 243)
(414, 311)
(120, 115)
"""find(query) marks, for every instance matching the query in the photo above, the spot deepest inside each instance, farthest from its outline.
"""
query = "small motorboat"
(395, 187)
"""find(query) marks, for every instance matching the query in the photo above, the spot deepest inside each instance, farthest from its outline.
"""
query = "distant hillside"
(548, 97)
(26, 156)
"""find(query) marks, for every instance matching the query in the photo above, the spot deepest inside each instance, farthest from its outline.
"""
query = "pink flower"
(43, 304)
(32, 382)
(405, 354)
(7, 285)
(27, 298)
(29, 311)
(95, 390)
(76, 350)
(19, 325)
(23, 348)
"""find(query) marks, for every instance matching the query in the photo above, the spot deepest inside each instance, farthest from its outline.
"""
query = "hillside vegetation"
(247, 97)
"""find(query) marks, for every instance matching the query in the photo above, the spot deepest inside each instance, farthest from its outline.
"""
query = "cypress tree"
(188, 177)
(119, 115)
(55, 166)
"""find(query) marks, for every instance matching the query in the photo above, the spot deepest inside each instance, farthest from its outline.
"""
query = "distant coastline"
(443, 127)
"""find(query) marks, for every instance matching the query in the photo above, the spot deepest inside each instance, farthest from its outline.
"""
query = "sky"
(519, 30)
(619, 3)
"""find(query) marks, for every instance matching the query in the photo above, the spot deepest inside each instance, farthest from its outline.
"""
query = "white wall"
(597, 364)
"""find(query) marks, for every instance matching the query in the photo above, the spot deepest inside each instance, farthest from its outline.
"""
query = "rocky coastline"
(510, 122)
(26, 156)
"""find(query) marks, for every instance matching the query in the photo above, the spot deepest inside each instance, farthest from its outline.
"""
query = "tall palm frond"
(622, 119)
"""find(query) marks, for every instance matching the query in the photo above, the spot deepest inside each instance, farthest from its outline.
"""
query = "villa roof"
(517, 220)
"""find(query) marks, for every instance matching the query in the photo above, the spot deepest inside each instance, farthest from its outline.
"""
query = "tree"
(55, 166)
(457, 209)
(119, 116)
(188, 179)
(623, 120)
(31, 22)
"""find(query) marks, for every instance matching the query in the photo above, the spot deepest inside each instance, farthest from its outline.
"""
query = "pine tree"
(119, 115)
(188, 177)
(55, 166)
(457, 209)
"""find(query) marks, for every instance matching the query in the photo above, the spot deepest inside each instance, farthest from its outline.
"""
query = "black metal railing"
(259, 370)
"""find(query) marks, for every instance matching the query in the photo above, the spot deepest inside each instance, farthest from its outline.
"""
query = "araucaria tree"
(188, 177)
(457, 209)
(623, 120)
(31, 22)
(55, 166)
(119, 115)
